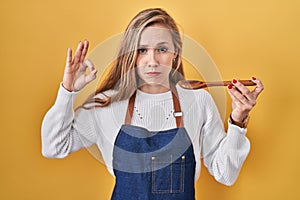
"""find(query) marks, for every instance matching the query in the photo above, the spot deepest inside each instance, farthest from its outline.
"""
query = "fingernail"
(229, 86)
(253, 78)
(234, 81)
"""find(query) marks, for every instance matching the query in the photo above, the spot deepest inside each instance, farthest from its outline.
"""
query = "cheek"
(138, 65)
(139, 71)
(167, 60)
(167, 70)
(139, 61)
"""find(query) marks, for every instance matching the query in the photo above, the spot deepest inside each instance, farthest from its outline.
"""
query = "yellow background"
(245, 38)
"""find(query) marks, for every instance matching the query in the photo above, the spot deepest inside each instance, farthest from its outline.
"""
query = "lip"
(153, 74)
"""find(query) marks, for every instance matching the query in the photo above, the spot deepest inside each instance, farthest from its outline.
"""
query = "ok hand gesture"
(75, 77)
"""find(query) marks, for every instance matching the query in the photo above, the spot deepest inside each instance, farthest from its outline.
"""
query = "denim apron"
(152, 165)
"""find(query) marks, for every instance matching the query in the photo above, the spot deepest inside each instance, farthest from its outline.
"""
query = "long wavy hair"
(122, 77)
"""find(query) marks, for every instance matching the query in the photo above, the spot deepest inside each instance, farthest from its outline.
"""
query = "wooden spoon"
(194, 84)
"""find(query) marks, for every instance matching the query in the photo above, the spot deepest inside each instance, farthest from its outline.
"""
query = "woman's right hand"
(75, 77)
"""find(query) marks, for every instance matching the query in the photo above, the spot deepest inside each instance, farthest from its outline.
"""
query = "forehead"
(154, 35)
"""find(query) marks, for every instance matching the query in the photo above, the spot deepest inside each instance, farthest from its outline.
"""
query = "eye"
(162, 49)
(142, 51)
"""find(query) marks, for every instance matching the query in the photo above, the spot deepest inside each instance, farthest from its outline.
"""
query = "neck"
(154, 89)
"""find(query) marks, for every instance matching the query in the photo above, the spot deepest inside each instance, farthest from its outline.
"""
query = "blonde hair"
(122, 76)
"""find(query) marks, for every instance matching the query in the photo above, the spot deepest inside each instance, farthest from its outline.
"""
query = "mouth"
(153, 74)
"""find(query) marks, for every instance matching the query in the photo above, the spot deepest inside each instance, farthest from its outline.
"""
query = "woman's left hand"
(243, 100)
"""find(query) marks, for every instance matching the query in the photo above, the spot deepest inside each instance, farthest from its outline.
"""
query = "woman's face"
(156, 53)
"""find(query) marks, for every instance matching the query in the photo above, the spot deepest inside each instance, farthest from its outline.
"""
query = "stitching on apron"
(154, 176)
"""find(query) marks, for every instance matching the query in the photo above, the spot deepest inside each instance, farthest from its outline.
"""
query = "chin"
(154, 81)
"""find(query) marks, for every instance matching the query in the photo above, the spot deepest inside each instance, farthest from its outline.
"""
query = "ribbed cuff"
(64, 96)
(236, 129)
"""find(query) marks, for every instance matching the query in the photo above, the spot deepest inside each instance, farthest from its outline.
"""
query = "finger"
(242, 89)
(236, 95)
(82, 68)
(69, 57)
(243, 106)
(86, 64)
(78, 53)
(259, 87)
(229, 90)
(85, 50)
(89, 64)
(93, 73)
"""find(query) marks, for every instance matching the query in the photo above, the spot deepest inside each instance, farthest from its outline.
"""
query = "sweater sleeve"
(223, 154)
(63, 130)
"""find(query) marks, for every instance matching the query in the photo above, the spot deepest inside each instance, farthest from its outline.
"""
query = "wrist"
(62, 84)
(243, 123)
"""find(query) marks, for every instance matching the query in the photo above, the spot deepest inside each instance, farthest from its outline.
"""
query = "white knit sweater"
(64, 131)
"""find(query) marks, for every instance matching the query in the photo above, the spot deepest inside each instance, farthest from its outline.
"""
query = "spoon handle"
(194, 84)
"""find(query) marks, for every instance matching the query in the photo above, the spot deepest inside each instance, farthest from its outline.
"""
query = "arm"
(64, 131)
(224, 154)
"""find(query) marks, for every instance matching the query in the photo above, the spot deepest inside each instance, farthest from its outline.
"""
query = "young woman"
(151, 132)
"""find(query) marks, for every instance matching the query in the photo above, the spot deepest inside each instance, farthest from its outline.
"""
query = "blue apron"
(152, 165)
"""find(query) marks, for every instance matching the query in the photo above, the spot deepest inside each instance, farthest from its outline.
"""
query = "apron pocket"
(168, 175)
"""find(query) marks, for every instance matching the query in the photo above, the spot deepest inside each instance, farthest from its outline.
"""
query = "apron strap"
(177, 109)
(129, 112)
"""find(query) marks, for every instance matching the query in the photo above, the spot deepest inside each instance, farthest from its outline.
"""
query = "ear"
(178, 58)
(175, 54)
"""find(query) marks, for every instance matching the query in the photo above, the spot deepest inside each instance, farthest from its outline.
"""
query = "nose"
(152, 58)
